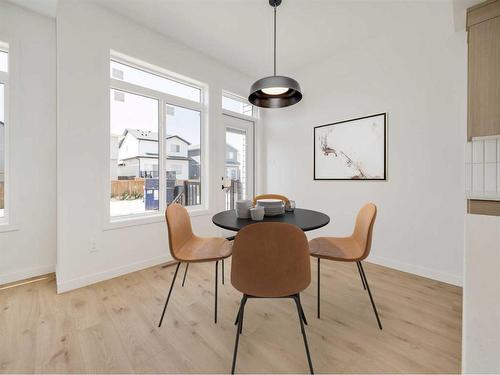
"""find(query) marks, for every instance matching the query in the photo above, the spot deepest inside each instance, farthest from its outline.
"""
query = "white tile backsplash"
(478, 178)
(482, 168)
(490, 178)
(468, 177)
(477, 151)
(490, 151)
(468, 152)
(498, 178)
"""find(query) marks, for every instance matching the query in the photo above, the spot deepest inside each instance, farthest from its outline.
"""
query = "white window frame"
(5, 221)
(164, 99)
(239, 98)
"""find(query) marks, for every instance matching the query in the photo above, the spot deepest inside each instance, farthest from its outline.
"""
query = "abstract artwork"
(351, 150)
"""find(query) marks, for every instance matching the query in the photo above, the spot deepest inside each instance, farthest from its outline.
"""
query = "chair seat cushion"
(203, 249)
(344, 249)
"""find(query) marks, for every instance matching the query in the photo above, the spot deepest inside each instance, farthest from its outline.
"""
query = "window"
(4, 66)
(155, 130)
(236, 139)
(4, 61)
(236, 104)
(134, 152)
(177, 168)
(154, 82)
(184, 127)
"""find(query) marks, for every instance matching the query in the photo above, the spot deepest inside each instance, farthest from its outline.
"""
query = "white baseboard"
(66, 286)
(417, 270)
(25, 274)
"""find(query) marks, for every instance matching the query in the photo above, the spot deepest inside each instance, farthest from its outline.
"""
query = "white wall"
(85, 35)
(415, 70)
(30, 248)
(481, 308)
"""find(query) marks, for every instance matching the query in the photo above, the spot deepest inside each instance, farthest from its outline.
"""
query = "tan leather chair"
(270, 260)
(188, 248)
(354, 248)
(270, 196)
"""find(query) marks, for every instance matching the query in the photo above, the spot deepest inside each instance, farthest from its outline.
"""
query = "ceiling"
(44, 7)
(238, 33)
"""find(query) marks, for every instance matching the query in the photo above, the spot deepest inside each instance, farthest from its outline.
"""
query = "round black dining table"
(304, 219)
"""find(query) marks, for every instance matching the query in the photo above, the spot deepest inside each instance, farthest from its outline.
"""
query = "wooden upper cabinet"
(483, 24)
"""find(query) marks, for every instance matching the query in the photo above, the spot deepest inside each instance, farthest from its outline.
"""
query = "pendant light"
(275, 91)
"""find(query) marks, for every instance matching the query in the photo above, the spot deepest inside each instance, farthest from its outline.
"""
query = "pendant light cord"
(274, 39)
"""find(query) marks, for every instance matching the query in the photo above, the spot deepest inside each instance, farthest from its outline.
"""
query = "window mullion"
(162, 181)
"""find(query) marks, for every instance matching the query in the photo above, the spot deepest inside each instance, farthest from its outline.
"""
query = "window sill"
(123, 222)
(7, 227)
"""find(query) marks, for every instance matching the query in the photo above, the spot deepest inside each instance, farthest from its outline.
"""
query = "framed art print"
(351, 150)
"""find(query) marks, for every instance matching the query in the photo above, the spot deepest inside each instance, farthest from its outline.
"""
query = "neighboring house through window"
(141, 136)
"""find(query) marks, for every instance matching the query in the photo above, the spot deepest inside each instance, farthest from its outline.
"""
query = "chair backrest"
(270, 260)
(363, 228)
(270, 196)
(179, 227)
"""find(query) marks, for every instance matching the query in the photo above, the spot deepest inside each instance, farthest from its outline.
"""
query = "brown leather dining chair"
(354, 248)
(270, 196)
(270, 260)
(188, 248)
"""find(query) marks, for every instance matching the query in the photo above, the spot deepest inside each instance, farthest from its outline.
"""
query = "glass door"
(239, 159)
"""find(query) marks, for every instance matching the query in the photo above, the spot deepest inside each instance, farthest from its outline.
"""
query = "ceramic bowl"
(257, 213)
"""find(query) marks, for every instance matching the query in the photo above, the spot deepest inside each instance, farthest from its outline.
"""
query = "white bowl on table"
(272, 207)
(257, 213)
(242, 208)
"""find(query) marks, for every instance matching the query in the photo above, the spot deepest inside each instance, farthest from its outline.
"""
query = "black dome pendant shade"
(275, 91)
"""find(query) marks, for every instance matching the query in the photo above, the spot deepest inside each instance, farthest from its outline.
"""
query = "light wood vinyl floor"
(111, 327)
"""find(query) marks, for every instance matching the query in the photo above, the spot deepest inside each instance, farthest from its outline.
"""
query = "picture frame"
(351, 150)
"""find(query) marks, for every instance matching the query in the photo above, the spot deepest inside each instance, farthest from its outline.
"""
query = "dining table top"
(302, 218)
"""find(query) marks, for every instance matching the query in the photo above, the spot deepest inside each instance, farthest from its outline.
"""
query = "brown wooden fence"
(129, 187)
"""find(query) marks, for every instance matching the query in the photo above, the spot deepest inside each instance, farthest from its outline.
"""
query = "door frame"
(252, 124)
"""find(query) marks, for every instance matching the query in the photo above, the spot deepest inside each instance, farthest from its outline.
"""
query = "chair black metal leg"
(370, 294)
(216, 284)
(318, 288)
(241, 316)
(361, 276)
(239, 319)
(296, 298)
(222, 271)
(302, 312)
(185, 273)
(169, 293)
